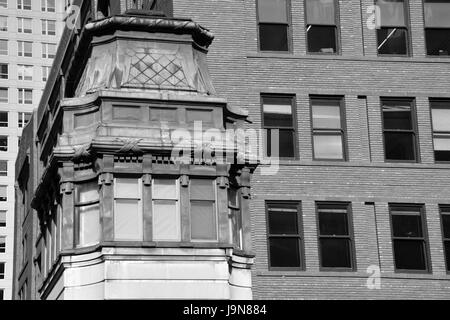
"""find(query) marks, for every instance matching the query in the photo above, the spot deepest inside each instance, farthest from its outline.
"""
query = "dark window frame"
(294, 127)
(414, 130)
(424, 238)
(438, 133)
(337, 26)
(333, 132)
(444, 210)
(299, 235)
(407, 27)
(289, 30)
(425, 35)
(350, 236)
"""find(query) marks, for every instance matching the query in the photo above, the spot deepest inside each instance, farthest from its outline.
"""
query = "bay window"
(203, 209)
(128, 219)
(166, 210)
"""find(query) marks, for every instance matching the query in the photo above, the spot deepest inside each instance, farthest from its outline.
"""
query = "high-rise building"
(351, 196)
(29, 35)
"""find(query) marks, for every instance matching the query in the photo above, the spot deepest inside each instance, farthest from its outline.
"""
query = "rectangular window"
(25, 48)
(25, 96)
(87, 213)
(437, 27)
(285, 236)
(3, 47)
(2, 218)
(24, 118)
(4, 71)
(3, 168)
(440, 114)
(166, 212)
(336, 246)
(3, 143)
(322, 26)
(274, 25)
(328, 128)
(24, 4)
(128, 219)
(279, 126)
(3, 95)
(203, 209)
(48, 50)
(3, 193)
(393, 35)
(409, 237)
(2, 270)
(3, 23)
(24, 25)
(45, 73)
(48, 5)
(25, 72)
(399, 130)
(445, 221)
(2, 244)
(3, 3)
(48, 27)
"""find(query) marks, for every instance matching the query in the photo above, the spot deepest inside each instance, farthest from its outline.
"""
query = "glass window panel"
(399, 146)
(273, 37)
(202, 189)
(283, 221)
(398, 118)
(333, 223)
(328, 147)
(438, 42)
(87, 192)
(127, 220)
(284, 252)
(442, 144)
(392, 13)
(166, 221)
(272, 11)
(392, 41)
(437, 14)
(446, 225)
(409, 254)
(441, 119)
(447, 254)
(281, 146)
(335, 253)
(3, 191)
(164, 189)
(320, 12)
(322, 39)
(89, 224)
(127, 188)
(278, 115)
(442, 155)
(407, 225)
(326, 115)
(203, 220)
(2, 218)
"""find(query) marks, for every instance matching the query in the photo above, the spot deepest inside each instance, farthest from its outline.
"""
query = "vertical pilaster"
(222, 204)
(67, 194)
(185, 204)
(107, 199)
(147, 197)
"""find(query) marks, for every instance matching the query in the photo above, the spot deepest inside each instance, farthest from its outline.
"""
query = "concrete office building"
(355, 96)
(29, 35)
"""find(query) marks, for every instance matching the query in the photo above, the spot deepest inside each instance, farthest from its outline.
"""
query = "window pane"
(441, 119)
(202, 189)
(397, 117)
(437, 13)
(89, 224)
(283, 221)
(446, 225)
(87, 192)
(2, 218)
(335, 253)
(283, 146)
(392, 13)
(399, 146)
(407, 225)
(328, 147)
(333, 223)
(447, 254)
(442, 144)
(322, 39)
(409, 254)
(127, 220)
(392, 41)
(127, 188)
(277, 112)
(164, 189)
(320, 12)
(326, 115)
(438, 41)
(273, 37)
(166, 221)
(272, 11)
(203, 220)
(284, 252)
